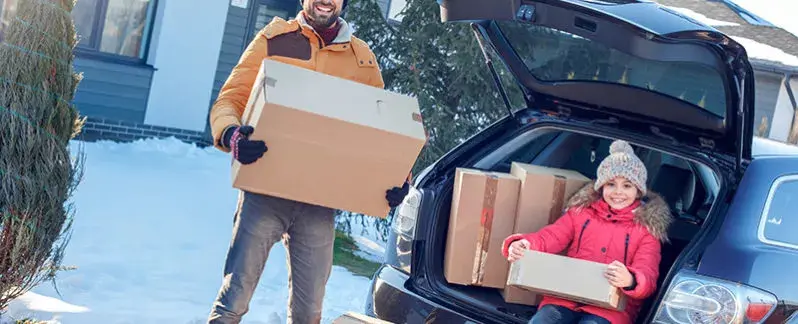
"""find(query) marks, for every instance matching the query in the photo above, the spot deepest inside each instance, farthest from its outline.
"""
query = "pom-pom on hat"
(622, 162)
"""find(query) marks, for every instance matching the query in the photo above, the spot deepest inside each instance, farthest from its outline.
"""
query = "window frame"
(92, 50)
(763, 219)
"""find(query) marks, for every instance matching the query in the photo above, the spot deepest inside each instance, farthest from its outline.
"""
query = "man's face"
(322, 13)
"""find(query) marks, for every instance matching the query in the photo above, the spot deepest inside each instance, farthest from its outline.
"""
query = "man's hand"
(618, 275)
(396, 195)
(517, 250)
(243, 149)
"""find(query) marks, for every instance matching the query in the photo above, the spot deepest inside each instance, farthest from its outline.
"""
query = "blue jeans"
(551, 314)
(308, 233)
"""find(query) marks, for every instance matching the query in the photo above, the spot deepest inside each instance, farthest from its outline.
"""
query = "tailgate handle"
(585, 24)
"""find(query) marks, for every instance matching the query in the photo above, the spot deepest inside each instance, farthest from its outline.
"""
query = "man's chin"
(322, 23)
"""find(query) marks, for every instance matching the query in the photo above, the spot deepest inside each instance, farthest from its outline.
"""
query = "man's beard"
(320, 22)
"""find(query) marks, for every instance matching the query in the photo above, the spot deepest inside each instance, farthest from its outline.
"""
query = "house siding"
(766, 94)
(233, 43)
(113, 91)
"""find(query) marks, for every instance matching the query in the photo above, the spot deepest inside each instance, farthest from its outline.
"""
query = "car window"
(555, 56)
(780, 221)
(527, 152)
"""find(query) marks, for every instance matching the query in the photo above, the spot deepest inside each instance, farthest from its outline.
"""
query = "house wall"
(768, 86)
(112, 90)
(784, 114)
(188, 41)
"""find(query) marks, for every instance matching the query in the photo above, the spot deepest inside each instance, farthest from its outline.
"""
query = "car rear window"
(555, 56)
(780, 222)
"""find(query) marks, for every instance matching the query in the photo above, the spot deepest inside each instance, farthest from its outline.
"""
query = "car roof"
(768, 147)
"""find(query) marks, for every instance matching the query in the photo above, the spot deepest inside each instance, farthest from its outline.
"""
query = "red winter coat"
(591, 231)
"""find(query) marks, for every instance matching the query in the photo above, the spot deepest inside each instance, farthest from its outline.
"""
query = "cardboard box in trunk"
(355, 318)
(332, 142)
(482, 216)
(544, 193)
(573, 279)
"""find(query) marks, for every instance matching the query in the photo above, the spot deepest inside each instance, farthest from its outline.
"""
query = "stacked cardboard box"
(342, 153)
(482, 215)
(544, 193)
(487, 207)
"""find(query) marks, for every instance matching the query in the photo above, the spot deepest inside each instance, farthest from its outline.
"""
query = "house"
(152, 68)
(773, 53)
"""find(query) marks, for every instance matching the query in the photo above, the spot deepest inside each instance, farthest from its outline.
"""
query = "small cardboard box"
(355, 318)
(573, 279)
(332, 142)
(482, 216)
(544, 193)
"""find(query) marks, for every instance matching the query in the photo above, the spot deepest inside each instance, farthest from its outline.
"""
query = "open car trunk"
(688, 187)
(623, 69)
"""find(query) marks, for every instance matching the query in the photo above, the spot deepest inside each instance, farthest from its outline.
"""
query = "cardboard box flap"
(341, 93)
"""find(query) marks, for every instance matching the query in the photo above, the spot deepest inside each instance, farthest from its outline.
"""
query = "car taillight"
(404, 221)
(697, 299)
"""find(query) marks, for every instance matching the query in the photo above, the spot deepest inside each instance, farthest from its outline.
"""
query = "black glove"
(396, 195)
(243, 149)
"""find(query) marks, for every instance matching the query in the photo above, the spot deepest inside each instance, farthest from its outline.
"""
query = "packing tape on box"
(557, 199)
(486, 224)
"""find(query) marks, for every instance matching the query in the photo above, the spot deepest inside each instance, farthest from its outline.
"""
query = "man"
(317, 39)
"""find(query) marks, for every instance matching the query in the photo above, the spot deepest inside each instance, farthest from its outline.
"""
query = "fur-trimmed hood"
(653, 213)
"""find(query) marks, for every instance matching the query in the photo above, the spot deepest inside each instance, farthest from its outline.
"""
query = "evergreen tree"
(37, 121)
(370, 25)
(442, 65)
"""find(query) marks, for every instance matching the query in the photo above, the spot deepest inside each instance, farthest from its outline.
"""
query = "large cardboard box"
(573, 279)
(482, 216)
(356, 318)
(544, 193)
(332, 142)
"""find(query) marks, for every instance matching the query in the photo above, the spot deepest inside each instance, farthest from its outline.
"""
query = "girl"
(613, 221)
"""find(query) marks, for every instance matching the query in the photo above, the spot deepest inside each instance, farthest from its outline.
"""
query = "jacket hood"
(653, 213)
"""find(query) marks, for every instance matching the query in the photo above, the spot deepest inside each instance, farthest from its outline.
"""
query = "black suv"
(592, 71)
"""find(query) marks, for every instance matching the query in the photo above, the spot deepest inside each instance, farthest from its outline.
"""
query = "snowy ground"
(153, 224)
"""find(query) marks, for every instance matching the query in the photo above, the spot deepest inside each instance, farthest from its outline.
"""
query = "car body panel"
(392, 301)
(737, 253)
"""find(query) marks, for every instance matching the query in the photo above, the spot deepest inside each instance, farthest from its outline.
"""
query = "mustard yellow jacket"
(297, 43)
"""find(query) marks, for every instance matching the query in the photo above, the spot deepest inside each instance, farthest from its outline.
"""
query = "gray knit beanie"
(622, 162)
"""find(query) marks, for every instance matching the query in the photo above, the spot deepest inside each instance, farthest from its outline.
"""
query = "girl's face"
(619, 193)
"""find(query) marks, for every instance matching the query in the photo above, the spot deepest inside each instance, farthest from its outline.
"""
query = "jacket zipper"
(625, 248)
(579, 242)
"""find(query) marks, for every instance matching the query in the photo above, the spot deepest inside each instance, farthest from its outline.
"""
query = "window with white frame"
(114, 27)
(111, 28)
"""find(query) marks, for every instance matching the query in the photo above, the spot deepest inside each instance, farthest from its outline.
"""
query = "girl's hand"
(618, 275)
(517, 250)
